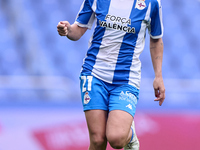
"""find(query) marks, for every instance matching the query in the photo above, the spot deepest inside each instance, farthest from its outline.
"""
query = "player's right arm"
(73, 32)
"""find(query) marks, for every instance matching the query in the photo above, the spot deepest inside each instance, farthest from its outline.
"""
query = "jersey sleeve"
(156, 24)
(86, 15)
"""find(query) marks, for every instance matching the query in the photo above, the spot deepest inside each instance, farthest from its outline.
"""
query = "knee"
(117, 140)
(98, 140)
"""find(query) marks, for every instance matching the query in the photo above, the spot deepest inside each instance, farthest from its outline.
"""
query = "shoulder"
(155, 5)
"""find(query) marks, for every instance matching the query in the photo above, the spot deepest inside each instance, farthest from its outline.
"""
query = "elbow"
(73, 38)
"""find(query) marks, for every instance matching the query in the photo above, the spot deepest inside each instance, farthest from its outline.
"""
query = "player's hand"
(159, 90)
(63, 28)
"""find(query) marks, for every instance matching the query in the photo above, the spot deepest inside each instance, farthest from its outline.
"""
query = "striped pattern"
(119, 37)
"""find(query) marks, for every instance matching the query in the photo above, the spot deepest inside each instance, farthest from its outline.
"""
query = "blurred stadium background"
(40, 106)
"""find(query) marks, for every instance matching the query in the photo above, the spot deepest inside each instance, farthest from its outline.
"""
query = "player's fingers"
(61, 23)
(162, 94)
(62, 29)
(61, 26)
(62, 33)
(64, 24)
(65, 28)
(157, 99)
(156, 92)
(157, 95)
(161, 101)
(162, 97)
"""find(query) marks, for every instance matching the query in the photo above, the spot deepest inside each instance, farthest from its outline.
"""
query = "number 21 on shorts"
(88, 80)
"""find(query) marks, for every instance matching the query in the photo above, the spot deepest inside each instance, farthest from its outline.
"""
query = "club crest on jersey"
(140, 4)
(86, 98)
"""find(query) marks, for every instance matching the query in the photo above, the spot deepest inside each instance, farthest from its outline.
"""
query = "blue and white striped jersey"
(119, 37)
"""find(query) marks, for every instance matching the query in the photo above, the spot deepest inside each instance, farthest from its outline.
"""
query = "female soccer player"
(111, 72)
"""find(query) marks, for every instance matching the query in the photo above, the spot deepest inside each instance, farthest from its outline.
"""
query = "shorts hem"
(93, 108)
(132, 113)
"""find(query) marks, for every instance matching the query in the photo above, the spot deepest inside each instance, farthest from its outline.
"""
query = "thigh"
(118, 125)
(96, 122)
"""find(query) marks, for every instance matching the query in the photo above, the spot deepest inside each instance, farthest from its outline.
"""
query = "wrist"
(158, 75)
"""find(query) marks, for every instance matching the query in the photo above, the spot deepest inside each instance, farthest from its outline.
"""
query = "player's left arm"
(156, 50)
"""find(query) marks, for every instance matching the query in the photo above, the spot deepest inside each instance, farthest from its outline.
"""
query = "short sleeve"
(156, 24)
(86, 16)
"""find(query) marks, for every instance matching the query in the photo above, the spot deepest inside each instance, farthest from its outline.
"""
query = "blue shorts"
(97, 94)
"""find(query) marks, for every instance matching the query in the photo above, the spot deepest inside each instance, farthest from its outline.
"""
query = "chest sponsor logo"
(117, 23)
(140, 4)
